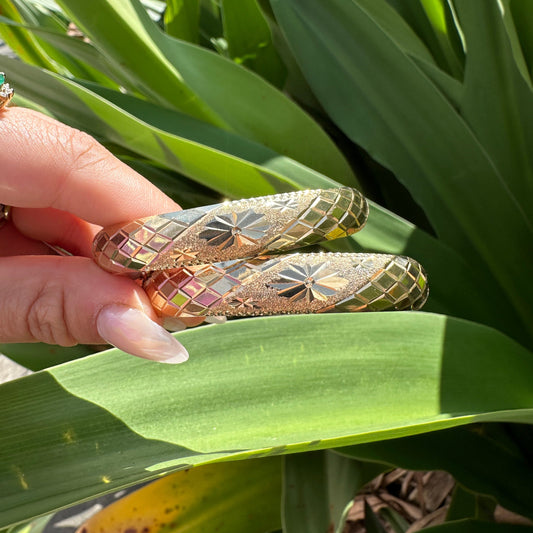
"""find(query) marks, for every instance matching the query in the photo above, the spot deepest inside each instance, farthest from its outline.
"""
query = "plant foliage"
(426, 105)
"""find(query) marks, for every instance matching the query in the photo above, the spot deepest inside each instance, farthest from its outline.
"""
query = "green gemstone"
(2, 78)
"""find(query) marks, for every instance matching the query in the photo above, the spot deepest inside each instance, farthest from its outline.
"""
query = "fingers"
(47, 164)
(56, 227)
(70, 300)
(12, 242)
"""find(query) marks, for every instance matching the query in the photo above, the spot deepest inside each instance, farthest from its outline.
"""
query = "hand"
(63, 187)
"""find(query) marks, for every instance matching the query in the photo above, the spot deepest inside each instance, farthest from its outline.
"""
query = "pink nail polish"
(131, 331)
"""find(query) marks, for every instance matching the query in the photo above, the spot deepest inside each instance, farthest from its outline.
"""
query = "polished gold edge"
(5, 213)
(232, 230)
(295, 283)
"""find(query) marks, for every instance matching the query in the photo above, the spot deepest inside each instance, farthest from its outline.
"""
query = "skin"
(63, 187)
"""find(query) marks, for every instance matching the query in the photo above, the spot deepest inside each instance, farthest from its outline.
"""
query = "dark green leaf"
(377, 94)
(249, 40)
(182, 19)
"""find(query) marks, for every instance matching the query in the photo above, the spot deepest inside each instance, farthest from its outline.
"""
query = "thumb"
(70, 300)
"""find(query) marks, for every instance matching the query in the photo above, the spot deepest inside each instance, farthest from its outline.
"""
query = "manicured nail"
(171, 323)
(216, 319)
(131, 331)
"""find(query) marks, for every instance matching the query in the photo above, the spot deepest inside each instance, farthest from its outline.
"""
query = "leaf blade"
(87, 425)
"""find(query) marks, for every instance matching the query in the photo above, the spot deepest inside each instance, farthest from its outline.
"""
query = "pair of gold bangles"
(229, 259)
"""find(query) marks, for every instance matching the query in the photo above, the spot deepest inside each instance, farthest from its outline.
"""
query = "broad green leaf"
(182, 19)
(500, 117)
(205, 85)
(377, 94)
(249, 40)
(319, 488)
(478, 461)
(37, 356)
(251, 388)
(232, 497)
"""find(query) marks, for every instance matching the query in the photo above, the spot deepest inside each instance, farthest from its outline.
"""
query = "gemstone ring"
(6, 92)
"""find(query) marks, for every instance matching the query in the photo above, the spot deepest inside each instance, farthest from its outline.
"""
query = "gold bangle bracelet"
(294, 283)
(232, 230)
(226, 259)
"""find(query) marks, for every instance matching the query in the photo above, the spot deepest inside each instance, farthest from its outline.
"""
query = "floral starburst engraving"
(284, 205)
(244, 228)
(184, 256)
(308, 282)
(244, 304)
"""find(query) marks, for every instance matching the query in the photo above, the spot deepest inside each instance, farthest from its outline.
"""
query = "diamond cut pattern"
(245, 228)
(400, 286)
(298, 283)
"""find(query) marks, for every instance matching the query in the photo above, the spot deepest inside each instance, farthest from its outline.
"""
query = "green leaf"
(304, 507)
(499, 117)
(182, 19)
(449, 273)
(38, 356)
(23, 44)
(226, 498)
(468, 505)
(523, 19)
(202, 84)
(319, 488)
(249, 40)
(372, 523)
(35, 526)
(91, 65)
(463, 504)
(377, 94)
(432, 20)
(251, 388)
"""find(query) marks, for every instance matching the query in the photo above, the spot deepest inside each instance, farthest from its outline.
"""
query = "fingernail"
(216, 319)
(131, 331)
(173, 324)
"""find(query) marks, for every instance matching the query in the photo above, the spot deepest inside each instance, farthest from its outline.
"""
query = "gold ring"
(6, 92)
(226, 259)
(5, 212)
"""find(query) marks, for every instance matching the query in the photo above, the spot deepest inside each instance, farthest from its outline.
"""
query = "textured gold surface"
(295, 283)
(233, 230)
